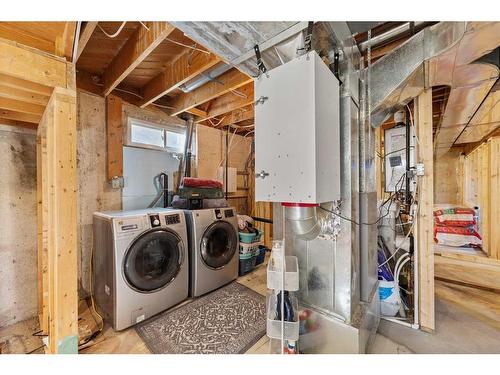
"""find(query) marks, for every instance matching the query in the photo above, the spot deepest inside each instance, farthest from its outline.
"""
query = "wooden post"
(114, 130)
(425, 222)
(57, 164)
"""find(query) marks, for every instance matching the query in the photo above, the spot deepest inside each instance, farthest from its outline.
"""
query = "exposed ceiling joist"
(22, 95)
(197, 112)
(136, 49)
(65, 41)
(230, 101)
(85, 37)
(19, 116)
(238, 115)
(20, 106)
(22, 124)
(231, 80)
(180, 71)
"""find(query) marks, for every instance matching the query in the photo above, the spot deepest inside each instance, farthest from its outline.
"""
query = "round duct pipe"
(303, 220)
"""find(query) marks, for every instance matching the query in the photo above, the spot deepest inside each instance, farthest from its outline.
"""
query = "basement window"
(154, 136)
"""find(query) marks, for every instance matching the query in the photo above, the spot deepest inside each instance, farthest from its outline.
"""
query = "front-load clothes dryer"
(213, 242)
(140, 264)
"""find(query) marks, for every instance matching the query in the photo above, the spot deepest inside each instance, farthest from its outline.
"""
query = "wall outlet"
(117, 182)
(420, 169)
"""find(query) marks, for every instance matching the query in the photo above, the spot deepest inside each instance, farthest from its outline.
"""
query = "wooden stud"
(136, 49)
(494, 201)
(230, 102)
(231, 80)
(114, 130)
(85, 37)
(425, 219)
(57, 132)
(185, 68)
(31, 65)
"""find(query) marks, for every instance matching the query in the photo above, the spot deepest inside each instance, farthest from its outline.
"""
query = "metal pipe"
(303, 221)
(165, 189)
(187, 146)
(391, 34)
(205, 77)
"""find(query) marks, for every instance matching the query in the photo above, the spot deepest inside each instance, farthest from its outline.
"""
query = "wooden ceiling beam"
(238, 115)
(85, 37)
(19, 116)
(22, 124)
(23, 107)
(180, 71)
(65, 42)
(231, 80)
(30, 65)
(197, 112)
(230, 102)
(22, 95)
(136, 49)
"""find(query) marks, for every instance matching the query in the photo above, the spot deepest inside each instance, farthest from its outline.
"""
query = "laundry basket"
(247, 263)
(249, 248)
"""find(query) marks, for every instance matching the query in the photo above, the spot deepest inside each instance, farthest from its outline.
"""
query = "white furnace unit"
(297, 146)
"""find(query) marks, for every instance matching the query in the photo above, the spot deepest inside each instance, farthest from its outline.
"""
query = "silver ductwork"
(205, 77)
(400, 76)
(388, 35)
(234, 41)
(304, 221)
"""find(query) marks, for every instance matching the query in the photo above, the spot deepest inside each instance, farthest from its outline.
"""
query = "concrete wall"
(18, 232)
(447, 178)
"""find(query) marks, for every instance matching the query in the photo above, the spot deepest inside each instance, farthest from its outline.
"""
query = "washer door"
(153, 260)
(218, 244)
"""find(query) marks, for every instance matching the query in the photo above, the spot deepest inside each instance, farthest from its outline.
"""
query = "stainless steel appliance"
(140, 263)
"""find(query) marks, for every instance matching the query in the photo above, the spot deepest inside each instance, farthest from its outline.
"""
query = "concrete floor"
(457, 331)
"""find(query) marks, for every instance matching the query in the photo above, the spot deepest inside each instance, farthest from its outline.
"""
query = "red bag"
(455, 217)
(201, 183)
(457, 236)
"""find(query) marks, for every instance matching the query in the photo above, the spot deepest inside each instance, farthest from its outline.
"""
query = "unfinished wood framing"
(425, 219)
(231, 80)
(481, 188)
(114, 131)
(57, 235)
(85, 37)
(135, 50)
(186, 67)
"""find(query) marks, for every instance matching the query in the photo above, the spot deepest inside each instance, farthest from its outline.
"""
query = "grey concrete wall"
(18, 231)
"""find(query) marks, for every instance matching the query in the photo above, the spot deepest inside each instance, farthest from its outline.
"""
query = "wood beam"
(136, 49)
(58, 227)
(230, 102)
(19, 116)
(85, 37)
(28, 86)
(20, 106)
(231, 80)
(197, 112)
(22, 95)
(65, 42)
(183, 69)
(21, 124)
(31, 65)
(238, 115)
(114, 130)
(425, 218)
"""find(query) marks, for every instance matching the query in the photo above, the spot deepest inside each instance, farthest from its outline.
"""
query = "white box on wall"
(232, 179)
(297, 134)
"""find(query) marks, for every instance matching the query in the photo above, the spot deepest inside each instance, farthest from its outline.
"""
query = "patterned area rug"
(227, 321)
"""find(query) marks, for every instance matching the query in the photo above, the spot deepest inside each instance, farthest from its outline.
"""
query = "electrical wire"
(116, 33)
(187, 46)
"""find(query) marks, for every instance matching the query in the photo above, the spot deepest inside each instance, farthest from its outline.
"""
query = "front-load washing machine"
(140, 263)
(213, 243)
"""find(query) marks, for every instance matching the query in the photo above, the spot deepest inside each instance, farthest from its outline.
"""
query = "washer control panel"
(155, 220)
(229, 213)
(172, 219)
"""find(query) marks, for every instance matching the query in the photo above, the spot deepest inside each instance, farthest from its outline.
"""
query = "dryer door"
(218, 244)
(153, 260)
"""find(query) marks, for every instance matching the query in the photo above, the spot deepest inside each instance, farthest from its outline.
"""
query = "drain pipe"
(188, 143)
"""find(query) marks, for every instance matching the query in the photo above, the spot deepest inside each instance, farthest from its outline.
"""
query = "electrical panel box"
(297, 140)
(232, 178)
(395, 158)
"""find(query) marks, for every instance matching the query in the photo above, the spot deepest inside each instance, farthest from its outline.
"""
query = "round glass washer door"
(153, 260)
(218, 244)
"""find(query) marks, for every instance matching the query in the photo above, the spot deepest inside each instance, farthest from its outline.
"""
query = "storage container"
(249, 248)
(247, 263)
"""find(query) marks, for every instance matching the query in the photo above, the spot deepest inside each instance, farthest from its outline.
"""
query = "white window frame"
(170, 128)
